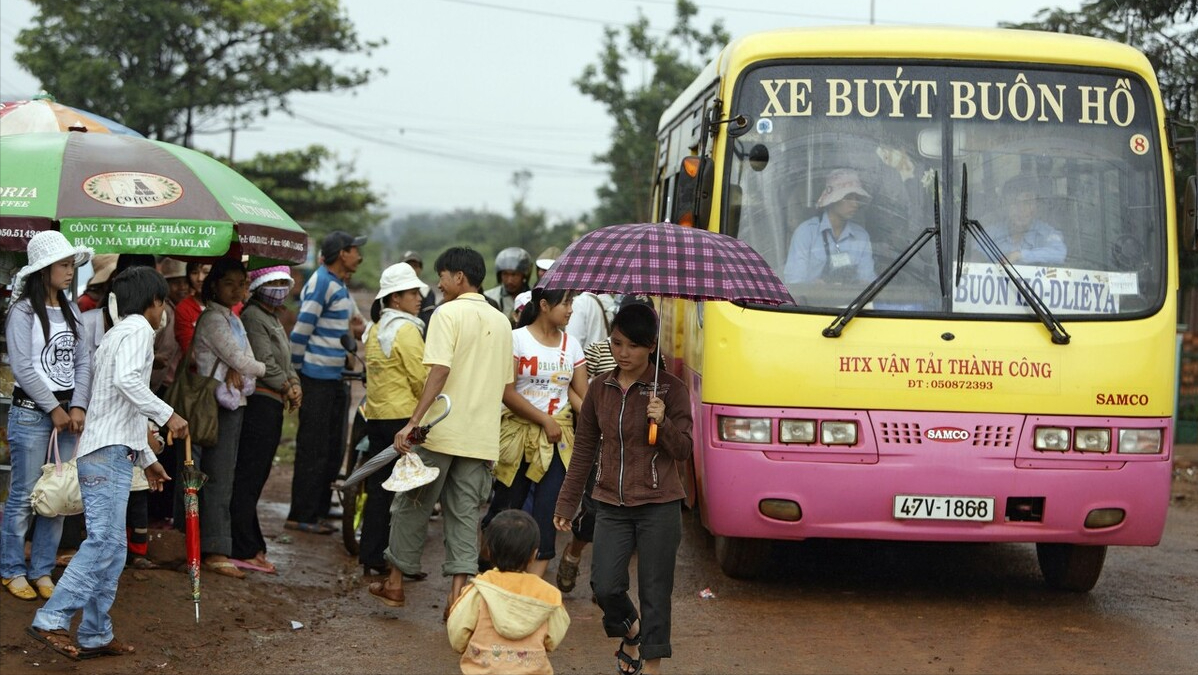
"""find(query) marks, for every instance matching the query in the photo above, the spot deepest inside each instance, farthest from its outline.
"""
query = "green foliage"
(673, 62)
(345, 203)
(289, 179)
(166, 67)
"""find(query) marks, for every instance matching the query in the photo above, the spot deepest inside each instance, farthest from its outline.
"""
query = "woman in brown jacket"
(637, 491)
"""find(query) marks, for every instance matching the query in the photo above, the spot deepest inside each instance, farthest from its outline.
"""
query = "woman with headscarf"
(262, 425)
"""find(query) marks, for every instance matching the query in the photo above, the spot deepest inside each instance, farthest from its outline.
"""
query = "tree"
(636, 110)
(342, 204)
(1162, 29)
(168, 67)
(288, 178)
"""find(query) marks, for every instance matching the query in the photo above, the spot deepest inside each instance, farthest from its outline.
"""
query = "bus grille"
(898, 433)
(993, 435)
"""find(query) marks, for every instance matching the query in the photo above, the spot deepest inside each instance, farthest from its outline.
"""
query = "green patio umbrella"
(122, 194)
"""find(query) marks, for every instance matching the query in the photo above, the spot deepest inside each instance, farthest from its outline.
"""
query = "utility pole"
(232, 130)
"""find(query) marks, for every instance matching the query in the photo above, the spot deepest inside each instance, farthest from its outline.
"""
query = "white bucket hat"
(45, 249)
(410, 472)
(841, 183)
(520, 301)
(399, 277)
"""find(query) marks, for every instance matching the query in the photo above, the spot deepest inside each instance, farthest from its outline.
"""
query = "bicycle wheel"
(352, 499)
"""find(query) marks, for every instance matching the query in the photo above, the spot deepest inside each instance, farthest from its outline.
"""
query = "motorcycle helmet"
(513, 259)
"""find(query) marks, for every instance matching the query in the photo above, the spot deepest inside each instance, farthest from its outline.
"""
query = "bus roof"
(941, 42)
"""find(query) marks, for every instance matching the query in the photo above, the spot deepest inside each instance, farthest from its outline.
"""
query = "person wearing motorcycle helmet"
(512, 268)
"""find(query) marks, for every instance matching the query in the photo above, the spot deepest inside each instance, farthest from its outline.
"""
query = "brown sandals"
(113, 648)
(58, 640)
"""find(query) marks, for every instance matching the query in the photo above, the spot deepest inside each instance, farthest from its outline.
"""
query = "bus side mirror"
(1189, 215)
(692, 192)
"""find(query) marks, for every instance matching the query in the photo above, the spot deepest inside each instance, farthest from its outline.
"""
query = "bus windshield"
(836, 176)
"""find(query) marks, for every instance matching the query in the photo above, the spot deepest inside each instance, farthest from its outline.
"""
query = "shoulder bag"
(56, 492)
(193, 396)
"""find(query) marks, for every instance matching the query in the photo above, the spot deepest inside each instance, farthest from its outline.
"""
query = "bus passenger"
(1024, 238)
(831, 248)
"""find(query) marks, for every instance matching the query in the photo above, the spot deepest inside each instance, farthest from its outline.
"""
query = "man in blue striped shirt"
(326, 310)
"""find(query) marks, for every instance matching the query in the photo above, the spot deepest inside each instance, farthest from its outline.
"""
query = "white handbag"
(56, 492)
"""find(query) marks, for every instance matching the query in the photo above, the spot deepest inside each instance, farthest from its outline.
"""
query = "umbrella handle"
(652, 432)
(170, 438)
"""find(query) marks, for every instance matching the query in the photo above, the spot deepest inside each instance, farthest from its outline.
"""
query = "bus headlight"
(745, 429)
(1092, 440)
(1054, 439)
(1140, 441)
(838, 433)
(796, 431)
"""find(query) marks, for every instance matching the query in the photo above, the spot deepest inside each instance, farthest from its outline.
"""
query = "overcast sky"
(477, 90)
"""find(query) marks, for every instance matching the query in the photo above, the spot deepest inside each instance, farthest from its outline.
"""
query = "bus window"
(1067, 190)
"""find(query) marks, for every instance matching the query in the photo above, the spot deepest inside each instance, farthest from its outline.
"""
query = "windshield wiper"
(853, 308)
(992, 251)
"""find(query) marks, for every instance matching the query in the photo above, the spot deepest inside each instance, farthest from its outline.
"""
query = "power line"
(753, 10)
(470, 157)
(534, 12)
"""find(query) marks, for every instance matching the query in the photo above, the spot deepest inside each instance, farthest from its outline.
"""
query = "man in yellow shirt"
(468, 350)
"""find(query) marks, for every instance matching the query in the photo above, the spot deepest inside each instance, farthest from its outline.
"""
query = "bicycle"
(353, 498)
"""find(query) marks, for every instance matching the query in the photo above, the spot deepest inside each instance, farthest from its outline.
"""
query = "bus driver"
(831, 247)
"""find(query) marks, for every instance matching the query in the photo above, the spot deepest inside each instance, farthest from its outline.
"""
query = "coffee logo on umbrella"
(132, 189)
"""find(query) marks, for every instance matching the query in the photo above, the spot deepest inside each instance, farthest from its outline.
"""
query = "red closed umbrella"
(193, 479)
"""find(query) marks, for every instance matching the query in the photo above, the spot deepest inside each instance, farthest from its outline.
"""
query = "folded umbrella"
(390, 453)
(193, 479)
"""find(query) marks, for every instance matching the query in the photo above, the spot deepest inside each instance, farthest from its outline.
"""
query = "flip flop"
(251, 565)
(224, 568)
(58, 640)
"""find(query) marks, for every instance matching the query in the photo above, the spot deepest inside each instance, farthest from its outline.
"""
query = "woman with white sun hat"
(395, 375)
(52, 373)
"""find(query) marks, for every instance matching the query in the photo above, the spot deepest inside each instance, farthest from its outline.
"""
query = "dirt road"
(828, 607)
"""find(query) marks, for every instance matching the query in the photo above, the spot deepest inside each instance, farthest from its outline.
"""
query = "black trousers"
(319, 448)
(376, 514)
(260, 432)
(653, 532)
(161, 505)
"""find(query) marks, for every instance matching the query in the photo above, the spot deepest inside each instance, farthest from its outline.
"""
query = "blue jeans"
(89, 582)
(28, 437)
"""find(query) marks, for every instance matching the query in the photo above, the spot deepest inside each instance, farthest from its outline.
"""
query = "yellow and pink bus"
(979, 230)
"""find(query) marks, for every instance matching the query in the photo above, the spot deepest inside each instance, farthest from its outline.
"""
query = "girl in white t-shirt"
(537, 429)
(51, 366)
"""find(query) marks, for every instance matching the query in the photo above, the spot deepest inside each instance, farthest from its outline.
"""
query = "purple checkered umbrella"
(666, 260)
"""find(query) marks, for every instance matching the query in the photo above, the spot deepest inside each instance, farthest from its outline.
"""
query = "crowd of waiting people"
(538, 378)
